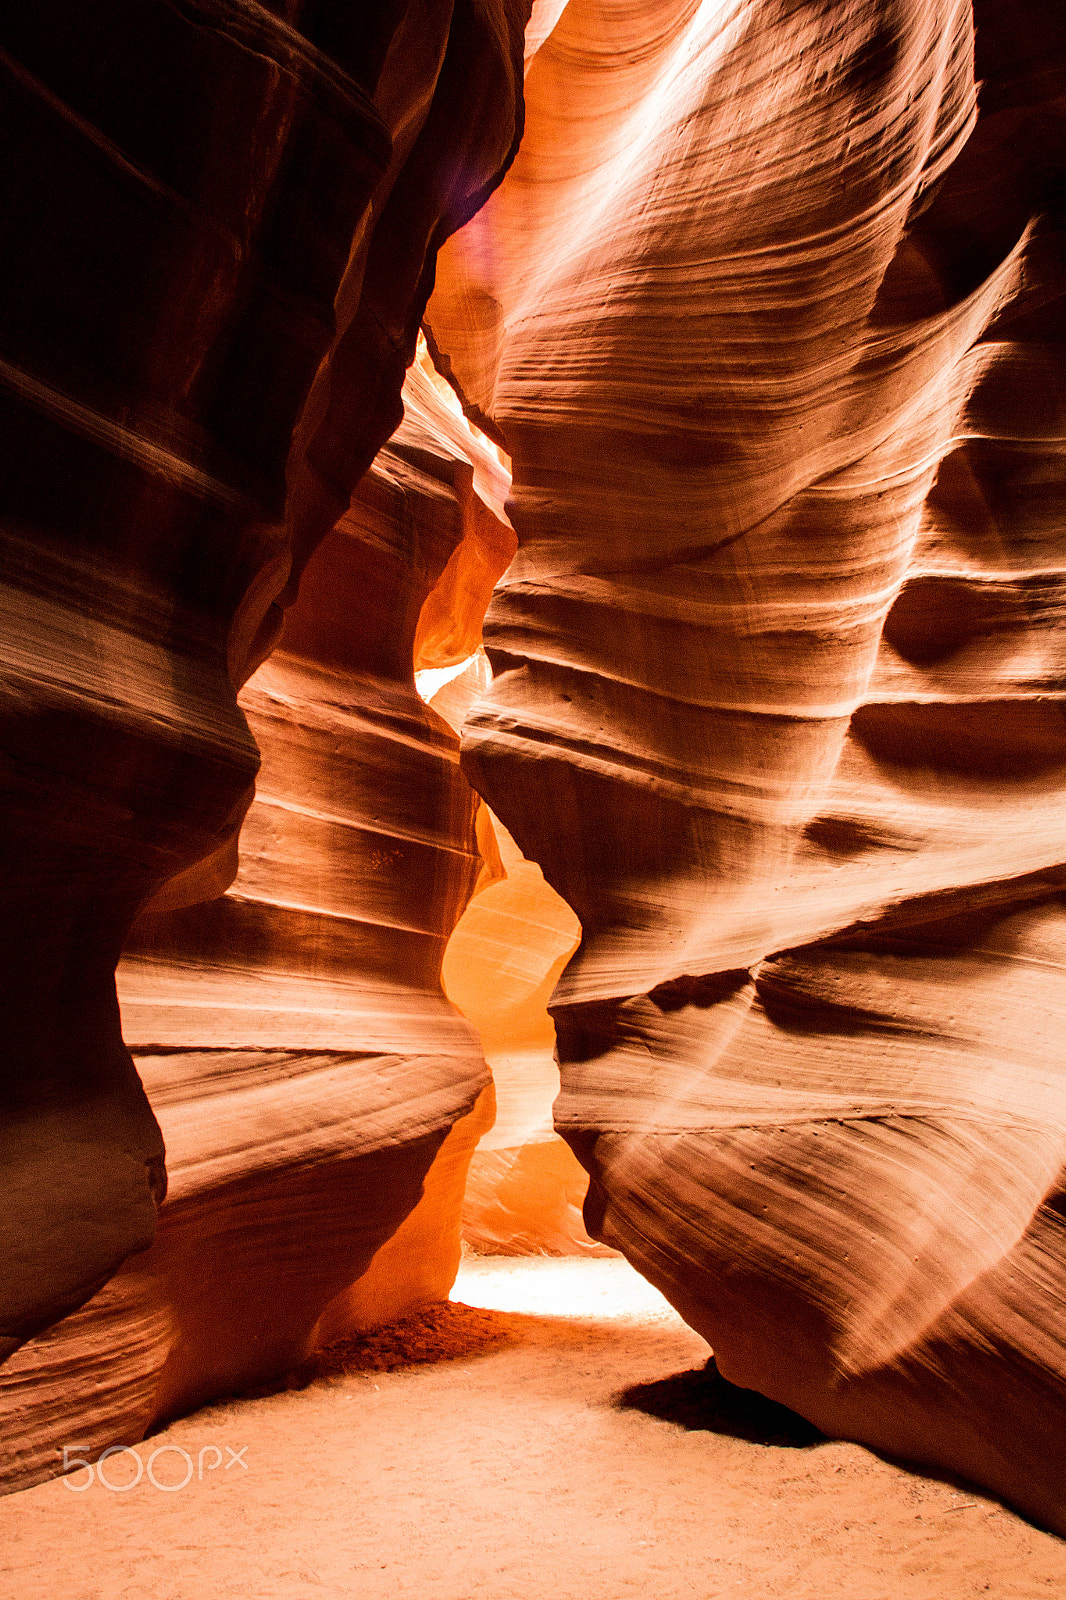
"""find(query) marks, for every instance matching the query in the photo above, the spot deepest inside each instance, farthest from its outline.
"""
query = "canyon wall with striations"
(319, 1096)
(226, 219)
(524, 1189)
(769, 313)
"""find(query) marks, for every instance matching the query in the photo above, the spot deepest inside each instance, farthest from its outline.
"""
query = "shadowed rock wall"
(319, 1096)
(769, 314)
(226, 217)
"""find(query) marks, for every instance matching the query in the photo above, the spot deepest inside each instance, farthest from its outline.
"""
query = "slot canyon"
(532, 727)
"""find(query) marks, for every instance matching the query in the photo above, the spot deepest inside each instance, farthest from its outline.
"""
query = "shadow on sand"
(702, 1399)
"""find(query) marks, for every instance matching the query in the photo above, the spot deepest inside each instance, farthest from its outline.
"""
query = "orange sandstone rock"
(768, 313)
(319, 1096)
(226, 220)
(525, 1189)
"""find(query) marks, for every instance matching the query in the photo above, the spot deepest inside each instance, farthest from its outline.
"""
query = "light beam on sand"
(605, 1288)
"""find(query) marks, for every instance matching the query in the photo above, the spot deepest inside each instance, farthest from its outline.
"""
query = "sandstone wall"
(769, 313)
(524, 1190)
(223, 222)
(319, 1096)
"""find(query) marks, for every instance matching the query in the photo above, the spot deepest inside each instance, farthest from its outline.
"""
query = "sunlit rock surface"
(769, 315)
(525, 1189)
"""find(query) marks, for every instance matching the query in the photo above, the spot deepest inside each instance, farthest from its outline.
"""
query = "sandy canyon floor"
(553, 1433)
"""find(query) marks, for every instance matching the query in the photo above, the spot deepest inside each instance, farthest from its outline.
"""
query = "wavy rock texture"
(319, 1096)
(769, 314)
(524, 1189)
(226, 219)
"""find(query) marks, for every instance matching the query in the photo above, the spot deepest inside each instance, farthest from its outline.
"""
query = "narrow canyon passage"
(561, 1443)
(533, 725)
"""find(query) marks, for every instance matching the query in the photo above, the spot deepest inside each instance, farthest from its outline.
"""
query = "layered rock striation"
(319, 1096)
(223, 220)
(524, 1189)
(769, 313)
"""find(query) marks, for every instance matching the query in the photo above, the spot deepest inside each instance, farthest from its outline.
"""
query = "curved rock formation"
(319, 1096)
(769, 315)
(524, 1190)
(226, 217)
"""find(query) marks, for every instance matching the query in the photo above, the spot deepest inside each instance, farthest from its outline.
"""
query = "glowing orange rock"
(768, 314)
